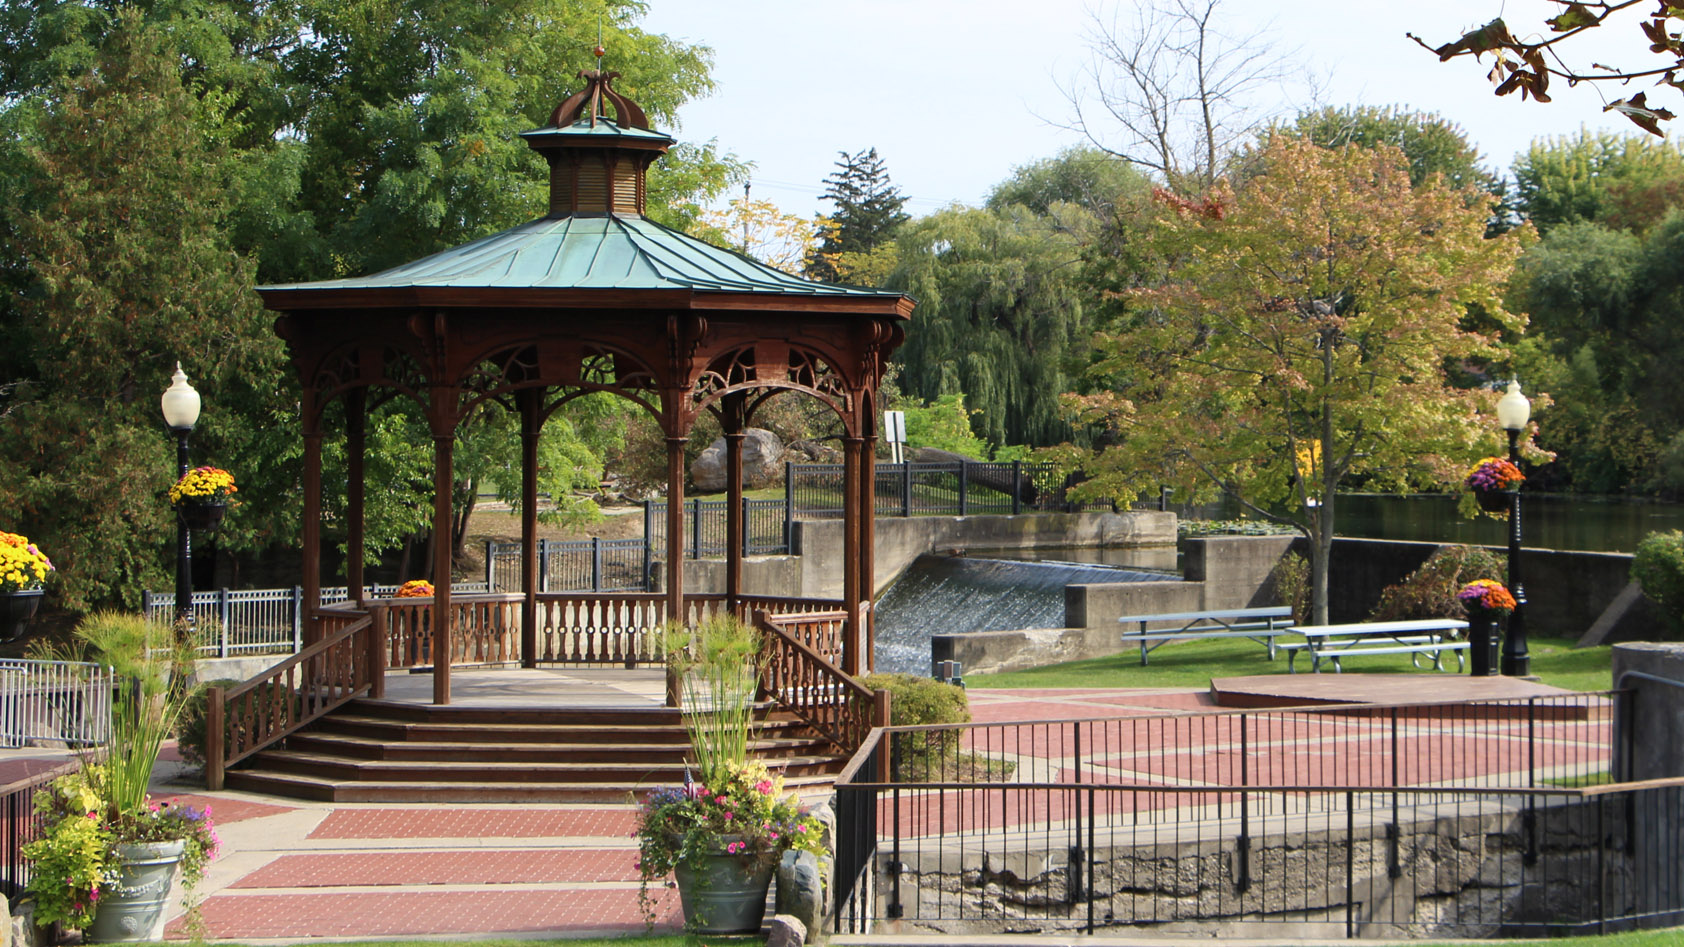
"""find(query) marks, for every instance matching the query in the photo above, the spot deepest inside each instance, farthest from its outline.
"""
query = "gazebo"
(592, 297)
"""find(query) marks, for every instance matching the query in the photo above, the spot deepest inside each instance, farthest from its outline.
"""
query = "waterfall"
(949, 595)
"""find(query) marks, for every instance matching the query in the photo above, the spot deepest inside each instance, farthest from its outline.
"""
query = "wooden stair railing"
(837, 707)
(309, 685)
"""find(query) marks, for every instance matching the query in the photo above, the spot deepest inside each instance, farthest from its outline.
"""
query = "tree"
(760, 229)
(867, 216)
(1005, 310)
(1429, 142)
(1297, 342)
(1601, 177)
(1179, 91)
(1525, 66)
(302, 141)
(129, 269)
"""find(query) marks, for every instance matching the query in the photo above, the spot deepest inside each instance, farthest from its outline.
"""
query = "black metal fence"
(590, 565)
(765, 527)
(1465, 820)
(22, 826)
(956, 489)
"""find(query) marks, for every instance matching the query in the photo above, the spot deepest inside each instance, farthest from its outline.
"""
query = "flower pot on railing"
(204, 516)
(16, 609)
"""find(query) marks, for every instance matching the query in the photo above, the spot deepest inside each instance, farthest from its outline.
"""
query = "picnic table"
(1416, 638)
(1263, 625)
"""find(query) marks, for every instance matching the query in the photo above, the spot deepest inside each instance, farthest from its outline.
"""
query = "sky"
(955, 94)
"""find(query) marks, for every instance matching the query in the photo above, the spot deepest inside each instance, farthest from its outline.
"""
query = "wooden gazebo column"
(733, 422)
(867, 505)
(675, 546)
(530, 403)
(311, 581)
(356, 446)
(851, 517)
(443, 422)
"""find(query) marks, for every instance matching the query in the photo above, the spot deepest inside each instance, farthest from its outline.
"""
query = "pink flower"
(764, 787)
(729, 815)
(719, 798)
(774, 836)
(801, 828)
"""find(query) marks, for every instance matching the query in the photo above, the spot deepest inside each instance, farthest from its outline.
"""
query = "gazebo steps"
(385, 751)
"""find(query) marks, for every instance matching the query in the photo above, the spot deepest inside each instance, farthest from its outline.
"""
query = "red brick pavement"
(388, 914)
(448, 867)
(469, 823)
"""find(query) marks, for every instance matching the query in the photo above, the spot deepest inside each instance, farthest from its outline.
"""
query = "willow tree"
(1297, 340)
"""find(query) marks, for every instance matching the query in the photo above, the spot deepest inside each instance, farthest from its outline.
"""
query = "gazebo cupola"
(597, 164)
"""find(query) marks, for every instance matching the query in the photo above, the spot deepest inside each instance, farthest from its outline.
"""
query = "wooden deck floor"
(547, 688)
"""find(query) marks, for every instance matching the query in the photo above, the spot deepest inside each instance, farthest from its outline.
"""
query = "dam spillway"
(951, 595)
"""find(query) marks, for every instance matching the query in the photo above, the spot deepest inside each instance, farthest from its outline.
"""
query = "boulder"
(763, 462)
(786, 931)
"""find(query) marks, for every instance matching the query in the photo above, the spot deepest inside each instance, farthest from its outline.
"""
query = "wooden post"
(356, 441)
(377, 654)
(868, 548)
(312, 527)
(443, 447)
(675, 548)
(531, 426)
(215, 732)
(851, 533)
(734, 437)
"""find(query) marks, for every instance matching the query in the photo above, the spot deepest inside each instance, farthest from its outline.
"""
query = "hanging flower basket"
(23, 575)
(1492, 481)
(1494, 501)
(16, 609)
(202, 515)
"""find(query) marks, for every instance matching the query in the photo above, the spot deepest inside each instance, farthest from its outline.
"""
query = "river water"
(1547, 521)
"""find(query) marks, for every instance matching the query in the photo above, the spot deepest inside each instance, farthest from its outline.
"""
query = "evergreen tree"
(868, 215)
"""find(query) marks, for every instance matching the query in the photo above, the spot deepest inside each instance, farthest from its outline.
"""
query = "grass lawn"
(1194, 663)
(1660, 938)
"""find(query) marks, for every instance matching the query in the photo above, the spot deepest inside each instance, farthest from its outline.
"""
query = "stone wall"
(1464, 870)
(1657, 709)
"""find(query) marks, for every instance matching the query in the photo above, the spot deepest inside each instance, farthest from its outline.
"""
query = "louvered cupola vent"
(597, 164)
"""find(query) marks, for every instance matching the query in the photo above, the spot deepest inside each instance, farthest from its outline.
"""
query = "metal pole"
(1516, 661)
(183, 550)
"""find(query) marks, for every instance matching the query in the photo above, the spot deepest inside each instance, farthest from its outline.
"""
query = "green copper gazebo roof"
(589, 253)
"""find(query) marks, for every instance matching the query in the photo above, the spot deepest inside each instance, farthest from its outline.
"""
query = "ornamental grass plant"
(717, 665)
(87, 815)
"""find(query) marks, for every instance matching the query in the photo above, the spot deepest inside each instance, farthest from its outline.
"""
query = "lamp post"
(1513, 411)
(181, 412)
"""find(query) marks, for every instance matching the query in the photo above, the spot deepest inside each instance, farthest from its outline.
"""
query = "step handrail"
(837, 707)
(260, 712)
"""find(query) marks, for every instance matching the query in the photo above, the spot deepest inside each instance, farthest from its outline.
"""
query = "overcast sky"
(956, 93)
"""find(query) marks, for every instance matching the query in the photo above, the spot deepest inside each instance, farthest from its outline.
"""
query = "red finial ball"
(599, 52)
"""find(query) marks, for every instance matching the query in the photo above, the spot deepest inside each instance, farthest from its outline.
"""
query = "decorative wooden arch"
(592, 297)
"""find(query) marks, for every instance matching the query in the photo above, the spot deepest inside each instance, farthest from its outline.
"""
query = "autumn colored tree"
(761, 229)
(1528, 63)
(1297, 341)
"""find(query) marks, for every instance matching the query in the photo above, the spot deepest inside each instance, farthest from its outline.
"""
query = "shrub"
(1430, 591)
(918, 701)
(190, 730)
(1659, 568)
(1290, 579)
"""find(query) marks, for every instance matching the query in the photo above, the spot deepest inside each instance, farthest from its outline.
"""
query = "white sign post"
(894, 431)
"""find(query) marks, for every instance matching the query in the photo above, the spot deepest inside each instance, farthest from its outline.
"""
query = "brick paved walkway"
(293, 869)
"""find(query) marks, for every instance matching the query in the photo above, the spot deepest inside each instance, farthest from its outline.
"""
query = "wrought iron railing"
(1468, 819)
(21, 826)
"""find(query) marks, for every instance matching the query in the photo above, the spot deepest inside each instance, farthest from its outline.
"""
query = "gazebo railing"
(836, 706)
(260, 712)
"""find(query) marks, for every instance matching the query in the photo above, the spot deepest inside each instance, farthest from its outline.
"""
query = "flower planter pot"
(132, 909)
(727, 895)
(16, 609)
(202, 515)
(1494, 501)
(1484, 637)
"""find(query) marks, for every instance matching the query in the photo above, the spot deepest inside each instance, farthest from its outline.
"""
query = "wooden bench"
(1262, 625)
(1416, 638)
